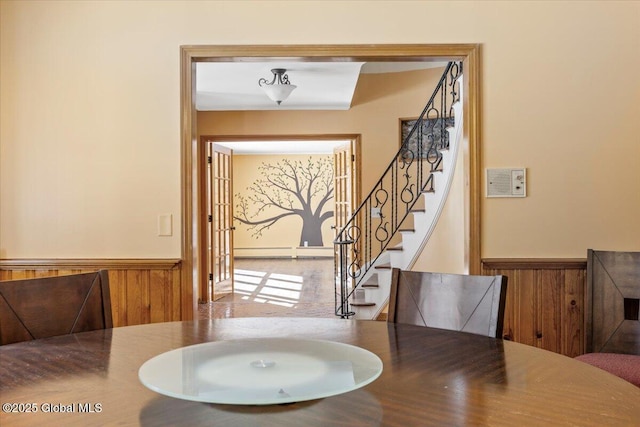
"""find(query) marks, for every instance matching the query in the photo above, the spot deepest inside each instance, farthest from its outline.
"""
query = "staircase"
(393, 224)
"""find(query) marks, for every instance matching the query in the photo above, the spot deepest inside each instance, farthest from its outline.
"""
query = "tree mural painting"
(289, 188)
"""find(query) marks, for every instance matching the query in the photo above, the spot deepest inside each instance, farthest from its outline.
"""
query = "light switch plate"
(165, 225)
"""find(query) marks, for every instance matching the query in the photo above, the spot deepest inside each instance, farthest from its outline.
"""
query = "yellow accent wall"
(90, 116)
(282, 239)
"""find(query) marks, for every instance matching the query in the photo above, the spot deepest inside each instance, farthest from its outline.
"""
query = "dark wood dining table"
(430, 377)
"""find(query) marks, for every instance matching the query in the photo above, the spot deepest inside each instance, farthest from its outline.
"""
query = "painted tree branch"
(288, 188)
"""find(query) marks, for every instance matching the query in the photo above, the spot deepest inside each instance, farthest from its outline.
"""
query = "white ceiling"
(281, 147)
(233, 86)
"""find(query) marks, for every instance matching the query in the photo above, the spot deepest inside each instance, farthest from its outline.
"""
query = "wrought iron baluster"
(362, 239)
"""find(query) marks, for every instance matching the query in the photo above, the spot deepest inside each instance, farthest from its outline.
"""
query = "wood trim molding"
(142, 290)
(109, 264)
(191, 54)
(545, 304)
(276, 137)
(473, 155)
(189, 180)
(535, 263)
(379, 52)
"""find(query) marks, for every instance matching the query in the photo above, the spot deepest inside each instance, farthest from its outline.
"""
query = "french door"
(345, 190)
(220, 221)
(342, 186)
(216, 204)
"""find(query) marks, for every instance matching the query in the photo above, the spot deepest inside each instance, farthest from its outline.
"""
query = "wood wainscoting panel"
(545, 302)
(142, 290)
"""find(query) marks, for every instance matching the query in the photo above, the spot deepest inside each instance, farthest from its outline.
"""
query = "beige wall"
(90, 121)
(444, 252)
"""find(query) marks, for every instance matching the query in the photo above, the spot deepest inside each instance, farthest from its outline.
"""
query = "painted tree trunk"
(311, 231)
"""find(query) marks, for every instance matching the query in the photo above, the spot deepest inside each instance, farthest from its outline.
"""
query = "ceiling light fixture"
(279, 88)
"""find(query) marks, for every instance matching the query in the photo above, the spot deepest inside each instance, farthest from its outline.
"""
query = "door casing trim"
(192, 54)
(354, 139)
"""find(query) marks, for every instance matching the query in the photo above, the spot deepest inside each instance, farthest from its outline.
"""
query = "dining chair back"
(612, 322)
(613, 302)
(465, 303)
(49, 306)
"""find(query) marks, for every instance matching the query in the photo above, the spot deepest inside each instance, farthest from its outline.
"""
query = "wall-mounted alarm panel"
(506, 182)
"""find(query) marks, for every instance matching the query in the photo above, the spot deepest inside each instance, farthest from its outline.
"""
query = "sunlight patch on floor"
(249, 272)
(284, 285)
(241, 278)
(268, 288)
(283, 293)
(287, 277)
(245, 287)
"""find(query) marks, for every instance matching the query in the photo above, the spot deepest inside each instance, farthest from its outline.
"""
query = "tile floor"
(277, 288)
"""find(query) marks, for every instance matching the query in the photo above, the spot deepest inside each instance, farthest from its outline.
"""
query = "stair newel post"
(342, 276)
(394, 194)
(368, 235)
(419, 156)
